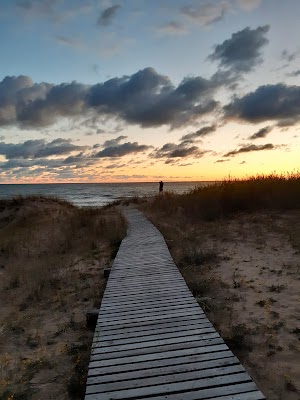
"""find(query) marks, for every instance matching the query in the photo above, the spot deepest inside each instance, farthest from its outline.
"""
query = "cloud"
(206, 130)
(121, 150)
(207, 13)
(25, 166)
(114, 142)
(172, 28)
(149, 99)
(250, 148)
(145, 98)
(53, 10)
(262, 133)
(269, 102)
(114, 166)
(25, 103)
(46, 7)
(38, 148)
(107, 15)
(69, 42)
(249, 5)
(242, 52)
(182, 150)
(221, 161)
(294, 73)
(288, 56)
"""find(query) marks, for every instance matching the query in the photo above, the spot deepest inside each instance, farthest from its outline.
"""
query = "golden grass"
(236, 244)
(262, 192)
(52, 257)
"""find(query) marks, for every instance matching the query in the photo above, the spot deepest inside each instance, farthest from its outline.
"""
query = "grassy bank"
(52, 257)
(272, 192)
(237, 244)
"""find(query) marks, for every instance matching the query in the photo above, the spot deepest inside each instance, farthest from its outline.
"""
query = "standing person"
(161, 186)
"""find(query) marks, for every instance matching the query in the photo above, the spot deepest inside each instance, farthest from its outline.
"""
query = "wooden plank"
(155, 350)
(170, 330)
(140, 325)
(154, 343)
(136, 295)
(139, 313)
(242, 391)
(161, 371)
(107, 309)
(168, 388)
(243, 396)
(96, 370)
(131, 332)
(102, 319)
(175, 377)
(110, 341)
(152, 339)
(142, 302)
(98, 361)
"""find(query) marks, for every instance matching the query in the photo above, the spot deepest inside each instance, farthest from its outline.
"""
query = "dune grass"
(237, 245)
(262, 192)
(52, 256)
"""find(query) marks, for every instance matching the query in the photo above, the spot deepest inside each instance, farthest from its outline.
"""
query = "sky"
(144, 90)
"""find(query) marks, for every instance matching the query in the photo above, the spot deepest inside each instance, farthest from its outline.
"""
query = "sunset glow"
(142, 90)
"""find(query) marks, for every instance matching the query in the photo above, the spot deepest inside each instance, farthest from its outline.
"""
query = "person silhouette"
(161, 186)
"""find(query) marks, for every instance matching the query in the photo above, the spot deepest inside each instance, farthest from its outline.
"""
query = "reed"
(257, 193)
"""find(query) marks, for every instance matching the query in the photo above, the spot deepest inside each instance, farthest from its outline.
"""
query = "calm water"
(95, 194)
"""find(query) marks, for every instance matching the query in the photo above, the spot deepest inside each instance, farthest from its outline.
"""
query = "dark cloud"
(206, 130)
(262, 133)
(242, 52)
(114, 142)
(207, 13)
(250, 148)
(221, 161)
(149, 99)
(122, 150)
(172, 28)
(172, 150)
(29, 104)
(145, 98)
(269, 102)
(288, 56)
(114, 166)
(45, 164)
(38, 148)
(294, 73)
(107, 15)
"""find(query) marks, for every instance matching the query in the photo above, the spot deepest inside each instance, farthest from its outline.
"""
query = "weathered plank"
(162, 371)
(152, 340)
(169, 388)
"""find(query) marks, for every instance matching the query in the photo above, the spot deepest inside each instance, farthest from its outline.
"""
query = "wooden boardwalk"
(152, 340)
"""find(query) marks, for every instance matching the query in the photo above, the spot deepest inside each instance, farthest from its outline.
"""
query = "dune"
(52, 257)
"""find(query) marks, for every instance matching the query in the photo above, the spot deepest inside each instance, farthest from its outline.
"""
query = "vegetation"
(271, 192)
(237, 242)
(52, 257)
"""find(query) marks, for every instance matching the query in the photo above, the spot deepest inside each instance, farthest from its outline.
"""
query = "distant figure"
(161, 186)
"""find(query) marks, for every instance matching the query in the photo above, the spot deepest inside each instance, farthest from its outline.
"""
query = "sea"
(94, 194)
